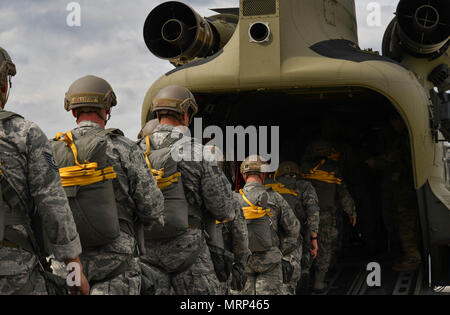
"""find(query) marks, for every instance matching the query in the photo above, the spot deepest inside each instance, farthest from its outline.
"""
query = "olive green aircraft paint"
(285, 61)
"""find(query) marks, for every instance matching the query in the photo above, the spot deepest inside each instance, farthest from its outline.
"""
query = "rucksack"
(176, 208)
(258, 223)
(4, 217)
(87, 181)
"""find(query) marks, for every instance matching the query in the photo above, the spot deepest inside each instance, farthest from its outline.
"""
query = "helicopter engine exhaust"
(423, 26)
(174, 31)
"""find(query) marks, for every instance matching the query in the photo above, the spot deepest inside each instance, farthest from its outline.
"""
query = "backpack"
(4, 185)
(176, 208)
(88, 186)
(258, 223)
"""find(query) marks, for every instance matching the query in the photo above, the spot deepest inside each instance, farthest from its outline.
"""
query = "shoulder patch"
(51, 161)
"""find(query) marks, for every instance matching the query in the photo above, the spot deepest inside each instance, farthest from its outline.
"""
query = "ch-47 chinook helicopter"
(295, 63)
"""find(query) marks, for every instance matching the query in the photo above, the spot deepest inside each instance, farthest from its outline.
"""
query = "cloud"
(50, 55)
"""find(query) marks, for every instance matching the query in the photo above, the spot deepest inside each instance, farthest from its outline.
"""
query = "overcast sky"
(50, 55)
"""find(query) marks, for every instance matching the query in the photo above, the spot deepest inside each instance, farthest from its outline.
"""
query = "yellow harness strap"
(281, 189)
(335, 156)
(1, 172)
(81, 174)
(253, 212)
(163, 182)
(323, 176)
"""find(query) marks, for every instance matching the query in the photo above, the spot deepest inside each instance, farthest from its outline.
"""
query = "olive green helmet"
(288, 168)
(253, 164)
(90, 92)
(320, 148)
(177, 99)
(7, 70)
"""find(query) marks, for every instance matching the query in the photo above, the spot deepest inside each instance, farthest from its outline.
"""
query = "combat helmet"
(288, 168)
(253, 164)
(7, 70)
(90, 93)
(320, 148)
(177, 99)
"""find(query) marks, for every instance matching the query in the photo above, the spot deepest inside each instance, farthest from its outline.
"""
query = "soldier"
(324, 174)
(302, 198)
(30, 189)
(107, 206)
(396, 165)
(273, 232)
(195, 191)
(228, 241)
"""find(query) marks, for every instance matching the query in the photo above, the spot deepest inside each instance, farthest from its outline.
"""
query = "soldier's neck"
(254, 179)
(94, 117)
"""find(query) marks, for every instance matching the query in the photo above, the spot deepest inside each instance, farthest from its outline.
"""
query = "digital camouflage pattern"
(136, 194)
(296, 204)
(306, 207)
(237, 235)
(295, 259)
(267, 283)
(28, 164)
(236, 241)
(264, 268)
(310, 202)
(206, 188)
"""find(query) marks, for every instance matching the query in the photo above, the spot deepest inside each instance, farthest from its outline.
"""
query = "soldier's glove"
(239, 277)
(288, 271)
(222, 261)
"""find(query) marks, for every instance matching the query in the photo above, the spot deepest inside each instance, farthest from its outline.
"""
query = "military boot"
(319, 283)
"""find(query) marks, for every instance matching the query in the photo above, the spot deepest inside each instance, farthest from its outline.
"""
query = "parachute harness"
(282, 189)
(81, 174)
(163, 182)
(253, 212)
(323, 176)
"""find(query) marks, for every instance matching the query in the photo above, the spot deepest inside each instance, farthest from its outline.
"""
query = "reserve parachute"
(165, 170)
(258, 223)
(88, 186)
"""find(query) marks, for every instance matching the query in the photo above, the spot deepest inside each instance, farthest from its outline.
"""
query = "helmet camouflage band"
(288, 168)
(253, 164)
(175, 98)
(90, 92)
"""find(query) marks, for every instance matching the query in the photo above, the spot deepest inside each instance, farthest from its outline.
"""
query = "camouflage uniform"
(235, 236)
(396, 166)
(264, 269)
(137, 194)
(206, 189)
(310, 205)
(28, 165)
(328, 194)
(295, 202)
